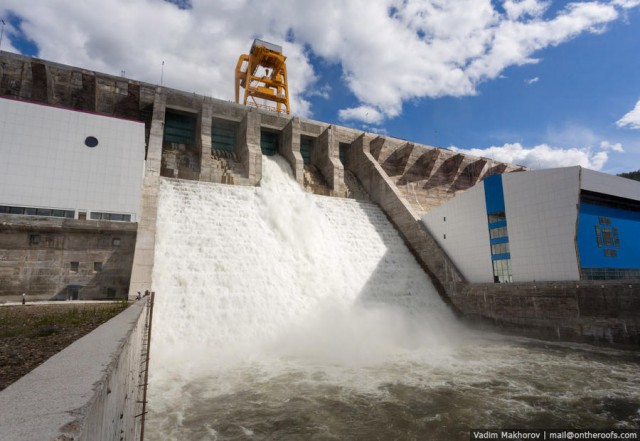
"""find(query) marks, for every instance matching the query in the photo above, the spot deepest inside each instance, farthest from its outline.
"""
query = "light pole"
(2, 32)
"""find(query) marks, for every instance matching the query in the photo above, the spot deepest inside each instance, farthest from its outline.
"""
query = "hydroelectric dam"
(313, 281)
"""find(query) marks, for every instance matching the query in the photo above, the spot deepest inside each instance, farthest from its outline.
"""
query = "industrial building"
(70, 188)
(564, 224)
(65, 163)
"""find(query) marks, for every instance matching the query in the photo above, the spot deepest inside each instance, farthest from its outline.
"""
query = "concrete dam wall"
(199, 138)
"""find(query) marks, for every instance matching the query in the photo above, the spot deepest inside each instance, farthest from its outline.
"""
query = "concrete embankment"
(586, 311)
(89, 391)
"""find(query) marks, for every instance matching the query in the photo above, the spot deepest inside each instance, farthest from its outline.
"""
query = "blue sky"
(537, 83)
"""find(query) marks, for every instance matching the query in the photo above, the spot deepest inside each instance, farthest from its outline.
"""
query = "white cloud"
(566, 145)
(323, 91)
(532, 80)
(631, 119)
(367, 114)
(627, 3)
(390, 51)
(606, 145)
(200, 46)
(375, 129)
(542, 156)
(7, 30)
(520, 8)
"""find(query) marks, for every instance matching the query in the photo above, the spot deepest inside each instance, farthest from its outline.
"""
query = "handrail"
(146, 368)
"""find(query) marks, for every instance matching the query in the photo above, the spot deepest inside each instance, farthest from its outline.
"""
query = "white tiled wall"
(45, 163)
(467, 233)
(541, 209)
(609, 184)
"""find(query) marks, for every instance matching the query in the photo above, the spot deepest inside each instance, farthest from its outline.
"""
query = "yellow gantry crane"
(263, 75)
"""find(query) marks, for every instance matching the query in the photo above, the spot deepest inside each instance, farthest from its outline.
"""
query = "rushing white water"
(243, 271)
(284, 315)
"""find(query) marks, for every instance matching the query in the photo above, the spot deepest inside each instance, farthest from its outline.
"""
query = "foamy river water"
(282, 315)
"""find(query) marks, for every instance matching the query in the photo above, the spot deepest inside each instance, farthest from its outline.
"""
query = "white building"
(66, 163)
(545, 225)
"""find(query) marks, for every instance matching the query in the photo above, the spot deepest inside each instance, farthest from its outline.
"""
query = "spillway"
(284, 315)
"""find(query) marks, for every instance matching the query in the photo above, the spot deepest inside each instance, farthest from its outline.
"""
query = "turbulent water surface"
(286, 316)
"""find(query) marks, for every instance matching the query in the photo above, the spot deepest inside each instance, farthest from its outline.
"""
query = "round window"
(91, 141)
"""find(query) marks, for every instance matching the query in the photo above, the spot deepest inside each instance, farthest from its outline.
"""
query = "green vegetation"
(31, 334)
(635, 175)
(57, 320)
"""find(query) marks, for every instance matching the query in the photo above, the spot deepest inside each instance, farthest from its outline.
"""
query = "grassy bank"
(30, 334)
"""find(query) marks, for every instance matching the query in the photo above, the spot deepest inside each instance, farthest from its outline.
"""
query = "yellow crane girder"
(262, 74)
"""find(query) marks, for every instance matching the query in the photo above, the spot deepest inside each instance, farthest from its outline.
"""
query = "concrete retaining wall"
(89, 391)
(36, 255)
(382, 191)
(586, 311)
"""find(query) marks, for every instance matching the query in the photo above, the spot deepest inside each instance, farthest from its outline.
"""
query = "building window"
(74, 267)
(598, 236)
(111, 292)
(502, 271)
(607, 237)
(91, 141)
(498, 232)
(33, 211)
(306, 147)
(115, 242)
(610, 273)
(604, 220)
(497, 217)
(73, 292)
(500, 248)
(268, 143)
(179, 127)
(97, 266)
(95, 215)
(34, 239)
(223, 135)
(499, 244)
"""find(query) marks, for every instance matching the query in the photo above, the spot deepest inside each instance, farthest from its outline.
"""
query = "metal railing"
(146, 352)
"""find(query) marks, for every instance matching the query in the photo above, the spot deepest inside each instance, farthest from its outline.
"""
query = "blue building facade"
(498, 229)
(608, 237)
